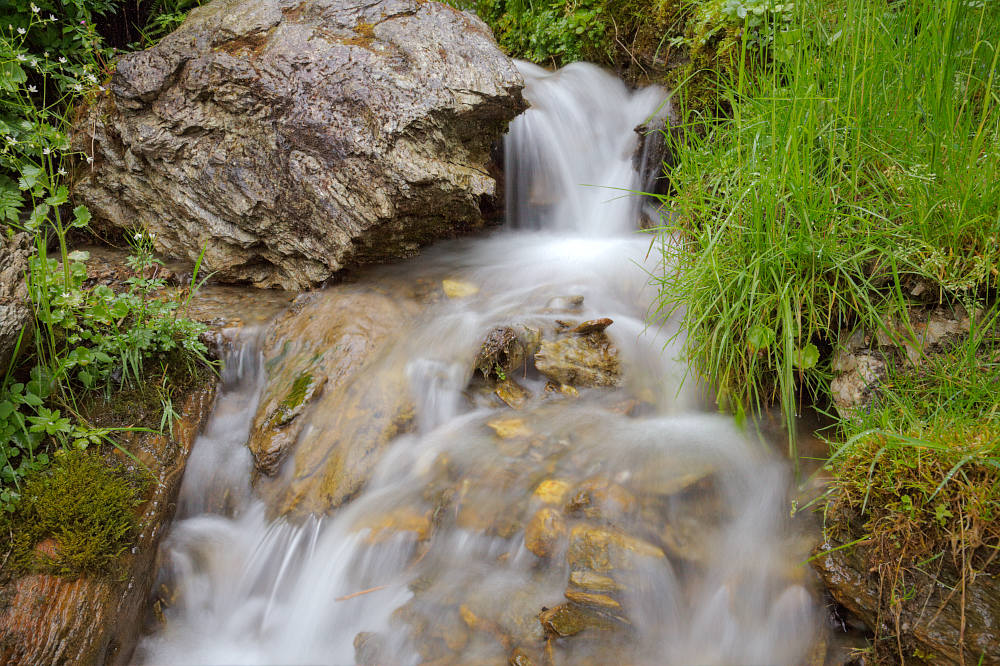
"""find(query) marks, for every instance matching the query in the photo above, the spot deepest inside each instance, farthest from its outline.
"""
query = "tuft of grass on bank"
(860, 159)
(919, 468)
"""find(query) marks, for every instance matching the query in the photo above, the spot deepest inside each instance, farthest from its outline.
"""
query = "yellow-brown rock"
(599, 498)
(603, 549)
(552, 491)
(545, 532)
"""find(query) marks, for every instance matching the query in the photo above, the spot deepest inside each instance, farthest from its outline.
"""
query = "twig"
(358, 594)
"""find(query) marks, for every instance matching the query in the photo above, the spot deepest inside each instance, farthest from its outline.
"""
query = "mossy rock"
(78, 516)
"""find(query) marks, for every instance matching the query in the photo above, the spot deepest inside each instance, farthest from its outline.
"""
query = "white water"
(252, 591)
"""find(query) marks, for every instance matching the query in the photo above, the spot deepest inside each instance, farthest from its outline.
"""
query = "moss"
(301, 389)
(76, 517)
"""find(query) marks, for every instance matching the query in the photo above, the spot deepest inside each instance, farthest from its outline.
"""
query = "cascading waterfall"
(256, 590)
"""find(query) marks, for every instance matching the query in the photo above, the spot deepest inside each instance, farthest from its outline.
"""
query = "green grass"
(864, 161)
(919, 469)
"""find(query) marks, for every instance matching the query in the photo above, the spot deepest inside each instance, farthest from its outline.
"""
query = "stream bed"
(620, 521)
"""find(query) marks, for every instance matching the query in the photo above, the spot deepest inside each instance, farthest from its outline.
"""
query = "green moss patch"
(76, 517)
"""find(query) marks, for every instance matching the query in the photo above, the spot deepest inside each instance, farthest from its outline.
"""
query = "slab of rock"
(931, 618)
(585, 356)
(329, 364)
(290, 139)
(46, 619)
(15, 311)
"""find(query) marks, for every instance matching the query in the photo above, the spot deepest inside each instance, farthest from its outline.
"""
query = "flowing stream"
(684, 546)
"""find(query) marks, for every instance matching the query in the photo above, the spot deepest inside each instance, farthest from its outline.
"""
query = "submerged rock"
(585, 356)
(15, 310)
(290, 139)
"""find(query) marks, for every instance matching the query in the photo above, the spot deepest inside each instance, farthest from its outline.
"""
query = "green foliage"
(85, 506)
(87, 338)
(164, 16)
(545, 32)
(862, 162)
(921, 465)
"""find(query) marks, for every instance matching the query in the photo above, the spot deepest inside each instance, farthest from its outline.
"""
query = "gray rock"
(15, 311)
(291, 139)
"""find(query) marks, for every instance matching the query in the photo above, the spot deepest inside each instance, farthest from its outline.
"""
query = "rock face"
(15, 312)
(291, 139)
(47, 619)
(930, 618)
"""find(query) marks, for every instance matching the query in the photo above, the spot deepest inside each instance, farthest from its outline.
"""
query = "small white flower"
(35, 8)
(46, 150)
(32, 89)
(101, 88)
(52, 17)
(11, 140)
(21, 57)
(90, 160)
(34, 62)
(91, 78)
(77, 87)
(61, 172)
(138, 235)
(62, 60)
(21, 31)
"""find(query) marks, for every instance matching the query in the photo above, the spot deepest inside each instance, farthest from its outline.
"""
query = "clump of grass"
(864, 158)
(78, 516)
(919, 470)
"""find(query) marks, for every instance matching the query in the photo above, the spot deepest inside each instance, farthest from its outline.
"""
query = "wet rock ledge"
(49, 619)
(292, 139)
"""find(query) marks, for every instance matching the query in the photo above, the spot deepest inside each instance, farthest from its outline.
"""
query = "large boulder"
(15, 311)
(291, 139)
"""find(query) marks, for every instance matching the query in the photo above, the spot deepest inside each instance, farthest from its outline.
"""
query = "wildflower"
(138, 235)
(46, 150)
(52, 17)
(11, 140)
(21, 31)
(77, 87)
(34, 62)
(32, 89)
(62, 60)
(45, 55)
(91, 78)
(83, 22)
(35, 8)
(21, 57)
(61, 172)
(90, 160)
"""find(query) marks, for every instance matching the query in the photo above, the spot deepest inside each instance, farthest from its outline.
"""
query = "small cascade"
(616, 525)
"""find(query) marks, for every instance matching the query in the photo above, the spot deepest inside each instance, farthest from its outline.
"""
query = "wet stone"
(545, 532)
(580, 360)
(592, 326)
(600, 499)
(590, 581)
(552, 491)
(570, 619)
(512, 394)
(603, 550)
